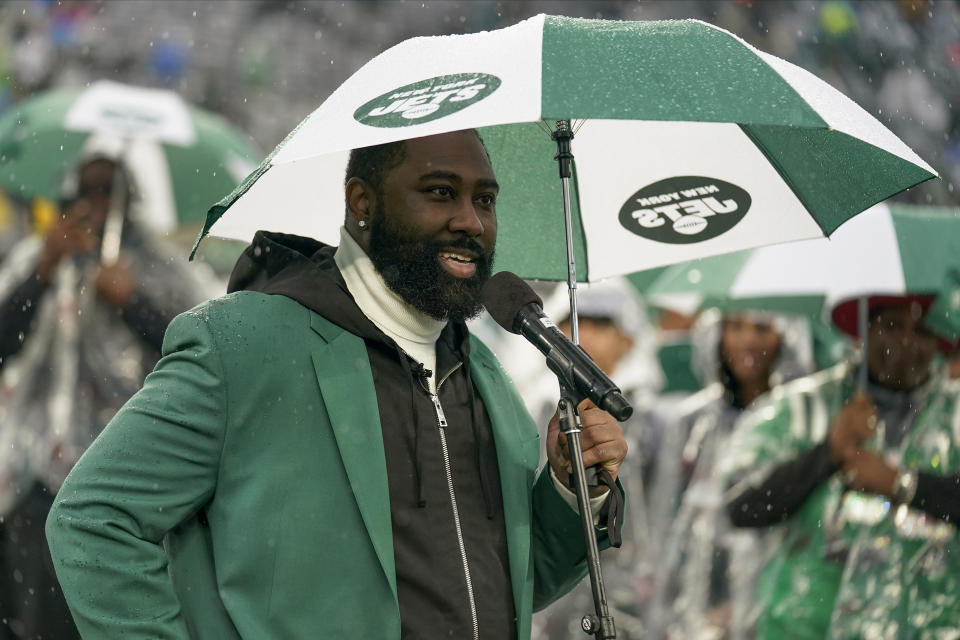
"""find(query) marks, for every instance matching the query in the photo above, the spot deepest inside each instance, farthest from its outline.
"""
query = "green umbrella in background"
(182, 157)
(791, 278)
(893, 251)
(889, 250)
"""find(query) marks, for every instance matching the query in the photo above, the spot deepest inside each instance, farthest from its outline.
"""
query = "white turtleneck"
(414, 331)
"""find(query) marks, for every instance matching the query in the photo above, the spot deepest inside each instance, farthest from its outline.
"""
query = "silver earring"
(362, 224)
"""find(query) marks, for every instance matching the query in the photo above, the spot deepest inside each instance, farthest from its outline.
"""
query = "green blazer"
(242, 493)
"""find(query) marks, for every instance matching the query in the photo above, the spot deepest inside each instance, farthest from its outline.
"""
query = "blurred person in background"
(703, 568)
(77, 337)
(862, 486)
(615, 332)
(675, 352)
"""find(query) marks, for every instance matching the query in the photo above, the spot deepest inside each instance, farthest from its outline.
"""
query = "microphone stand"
(600, 625)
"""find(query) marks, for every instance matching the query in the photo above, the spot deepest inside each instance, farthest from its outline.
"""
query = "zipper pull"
(441, 419)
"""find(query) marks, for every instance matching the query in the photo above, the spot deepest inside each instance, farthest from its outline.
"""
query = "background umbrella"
(791, 278)
(896, 250)
(889, 250)
(182, 157)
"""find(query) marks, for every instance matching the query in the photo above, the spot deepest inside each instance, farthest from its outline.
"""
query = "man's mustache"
(468, 244)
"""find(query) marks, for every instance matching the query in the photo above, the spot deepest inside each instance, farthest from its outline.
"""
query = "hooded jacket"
(439, 590)
(290, 462)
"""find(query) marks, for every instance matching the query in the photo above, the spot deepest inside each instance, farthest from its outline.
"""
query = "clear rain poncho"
(703, 569)
(80, 360)
(854, 565)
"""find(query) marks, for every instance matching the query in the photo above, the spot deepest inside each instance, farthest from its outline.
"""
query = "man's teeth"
(455, 256)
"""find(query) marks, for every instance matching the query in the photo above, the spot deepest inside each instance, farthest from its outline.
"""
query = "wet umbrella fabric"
(182, 157)
(790, 278)
(692, 143)
(895, 250)
(889, 250)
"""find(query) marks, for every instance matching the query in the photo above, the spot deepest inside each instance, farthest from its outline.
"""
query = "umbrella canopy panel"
(894, 250)
(197, 156)
(792, 277)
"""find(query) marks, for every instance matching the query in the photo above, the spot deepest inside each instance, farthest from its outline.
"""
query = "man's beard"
(411, 268)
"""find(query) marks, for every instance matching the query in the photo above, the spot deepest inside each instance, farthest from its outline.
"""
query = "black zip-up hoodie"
(430, 537)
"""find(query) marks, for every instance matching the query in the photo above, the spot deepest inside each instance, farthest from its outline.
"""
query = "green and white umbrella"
(182, 157)
(899, 250)
(888, 250)
(894, 250)
(792, 278)
(688, 142)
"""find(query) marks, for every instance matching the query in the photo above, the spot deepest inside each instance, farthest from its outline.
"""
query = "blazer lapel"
(346, 384)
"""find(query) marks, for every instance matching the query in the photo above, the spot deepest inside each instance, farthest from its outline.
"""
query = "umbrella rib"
(545, 127)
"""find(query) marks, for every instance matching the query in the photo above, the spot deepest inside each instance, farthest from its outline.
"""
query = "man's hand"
(72, 233)
(601, 440)
(867, 472)
(851, 427)
(115, 284)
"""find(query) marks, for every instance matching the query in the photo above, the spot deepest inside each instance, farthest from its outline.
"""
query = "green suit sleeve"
(153, 466)
(559, 550)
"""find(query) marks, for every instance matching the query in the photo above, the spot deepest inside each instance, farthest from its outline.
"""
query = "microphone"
(518, 309)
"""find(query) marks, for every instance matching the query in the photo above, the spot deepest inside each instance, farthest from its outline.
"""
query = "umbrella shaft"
(563, 136)
(571, 260)
(862, 326)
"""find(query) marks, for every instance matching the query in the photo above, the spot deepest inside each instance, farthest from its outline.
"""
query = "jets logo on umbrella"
(426, 100)
(685, 209)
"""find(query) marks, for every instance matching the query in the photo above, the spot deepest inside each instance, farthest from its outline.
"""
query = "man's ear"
(360, 200)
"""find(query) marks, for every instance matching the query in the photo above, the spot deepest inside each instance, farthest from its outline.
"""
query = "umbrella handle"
(113, 226)
(862, 330)
(112, 230)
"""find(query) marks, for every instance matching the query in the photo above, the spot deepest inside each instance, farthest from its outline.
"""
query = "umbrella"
(889, 250)
(182, 157)
(688, 142)
(894, 250)
(789, 278)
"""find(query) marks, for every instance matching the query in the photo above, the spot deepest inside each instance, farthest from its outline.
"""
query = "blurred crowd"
(266, 65)
(744, 521)
(730, 406)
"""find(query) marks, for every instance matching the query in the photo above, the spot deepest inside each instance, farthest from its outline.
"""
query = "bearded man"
(326, 451)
